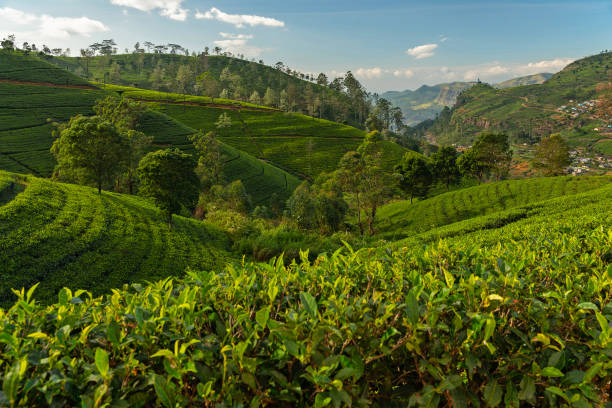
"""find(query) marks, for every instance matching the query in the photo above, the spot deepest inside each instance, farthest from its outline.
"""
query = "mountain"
(564, 103)
(427, 101)
(525, 80)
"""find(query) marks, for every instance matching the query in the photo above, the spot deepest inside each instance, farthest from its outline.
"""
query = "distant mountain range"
(427, 101)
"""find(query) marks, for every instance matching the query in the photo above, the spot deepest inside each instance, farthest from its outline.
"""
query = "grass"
(604, 147)
(61, 233)
(18, 67)
(401, 219)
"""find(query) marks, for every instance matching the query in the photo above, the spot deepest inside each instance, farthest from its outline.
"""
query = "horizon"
(391, 47)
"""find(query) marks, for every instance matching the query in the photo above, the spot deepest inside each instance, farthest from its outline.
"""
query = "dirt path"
(47, 84)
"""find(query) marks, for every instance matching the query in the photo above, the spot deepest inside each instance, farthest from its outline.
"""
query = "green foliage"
(415, 175)
(421, 326)
(552, 156)
(402, 219)
(90, 150)
(444, 166)
(492, 151)
(19, 67)
(168, 177)
(65, 234)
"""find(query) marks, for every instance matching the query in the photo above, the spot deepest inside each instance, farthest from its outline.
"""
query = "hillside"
(300, 144)
(26, 111)
(525, 80)
(224, 77)
(562, 103)
(494, 289)
(63, 234)
(427, 101)
(402, 219)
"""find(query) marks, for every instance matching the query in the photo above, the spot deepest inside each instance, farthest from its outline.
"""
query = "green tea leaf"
(552, 372)
(412, 308)
(309, 303)
(102, 361)
(262, 316)
(493, 394)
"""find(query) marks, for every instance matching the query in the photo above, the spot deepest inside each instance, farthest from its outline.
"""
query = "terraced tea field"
(28, 110)
(401, 219)
(62, 234)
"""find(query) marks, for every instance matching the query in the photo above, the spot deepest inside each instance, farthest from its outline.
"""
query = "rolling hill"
(27, 107)
(60, 234)
(239, 78)
(401, 219)
(303, 145)
(525, 80)
(529, 112)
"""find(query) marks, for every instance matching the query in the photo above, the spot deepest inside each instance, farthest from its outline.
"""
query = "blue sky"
(389, 45)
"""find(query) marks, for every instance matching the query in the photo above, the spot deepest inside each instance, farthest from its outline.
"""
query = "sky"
(387, 44)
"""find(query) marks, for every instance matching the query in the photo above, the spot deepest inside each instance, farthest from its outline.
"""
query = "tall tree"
(415, 175)
(168, 177)
(493, 149)
(208, 150)
(89, 150)
(349, 176)
(470, 165)
(552, 156)
(444, 166)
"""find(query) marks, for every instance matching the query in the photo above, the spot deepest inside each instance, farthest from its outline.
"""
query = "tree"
(8, 43)
(552, 155)
(470, 165)
(322, 79)
(138, 143)
(349, 176)
(87, 53)
(301, 207)
(236, 196)
(415, 175)
(269, 98)
(493, 150)
(255, 98)
(121, 112)
(107, 47)
(89, 149)
(224, 121)
(209, 158)
(168, 177)
(444, 166)
(185, 79)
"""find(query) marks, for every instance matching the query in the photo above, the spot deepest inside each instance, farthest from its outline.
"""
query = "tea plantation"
(28, 110)
(60, 234)
(402, 219)
(521, 319)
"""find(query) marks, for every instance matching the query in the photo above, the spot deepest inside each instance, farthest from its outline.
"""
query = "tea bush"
(508, 325)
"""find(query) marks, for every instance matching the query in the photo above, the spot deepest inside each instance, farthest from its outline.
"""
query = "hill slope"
(402, 219)
(427, 101)
(528, 112)
(301, 144)
(27, 109)
(525, 80)
(62, 234)
(237, 78)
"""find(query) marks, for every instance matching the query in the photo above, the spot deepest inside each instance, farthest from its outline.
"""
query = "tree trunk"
(170, 221)
(411, 197)
(371, 220)
(99, 188)
(359, 215)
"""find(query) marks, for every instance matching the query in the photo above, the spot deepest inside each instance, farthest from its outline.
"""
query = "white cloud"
(47, 27)
(497, 70)
(403, 73)
(238, 44)
(369, 73)
(236, 36)
(422, 51)
(167, 8)
(551, 65)
(239, 20)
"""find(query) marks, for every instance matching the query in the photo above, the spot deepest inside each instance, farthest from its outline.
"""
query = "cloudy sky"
(388, 44)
